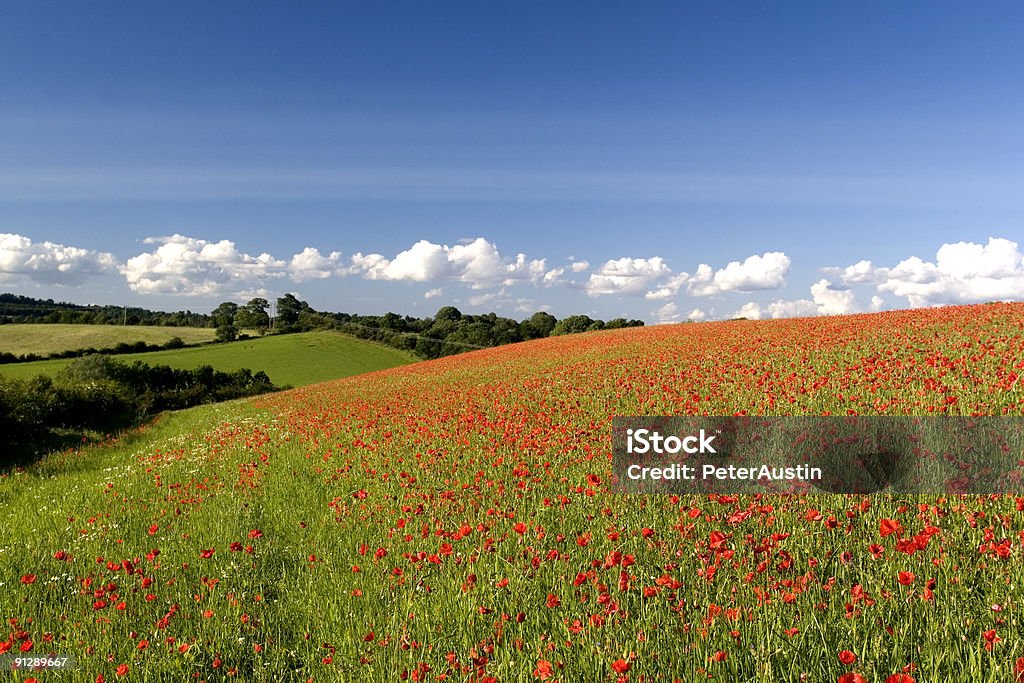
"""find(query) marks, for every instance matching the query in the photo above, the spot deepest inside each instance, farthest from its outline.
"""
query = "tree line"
(447, 332)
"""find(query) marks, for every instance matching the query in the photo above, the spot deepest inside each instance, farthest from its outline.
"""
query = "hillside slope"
(289, 359)
(453, 519)
(43, 339)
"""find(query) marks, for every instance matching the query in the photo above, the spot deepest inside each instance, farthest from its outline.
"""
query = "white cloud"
(832, 301)
(310, 264)
(422, 262)
(749, 310)
(23, 260)
(553, 277)
(696, 314)
(579, 266)
(195, 267)
(433, 293)
(668, 288)
(370, 266)
(767, 271)
(627, 276)
(877, 303)
(826, 300)
(702, 283)
(798, 308)
(499, 297)
(860, 272)
(477, 263)
(962, 273)
(667, 314)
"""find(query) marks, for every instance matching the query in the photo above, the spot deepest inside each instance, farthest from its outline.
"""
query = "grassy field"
(44, 339)
(454, 520)
(289, 359)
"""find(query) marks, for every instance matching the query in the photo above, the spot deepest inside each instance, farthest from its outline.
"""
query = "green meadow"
(290, 359)
(44, 339)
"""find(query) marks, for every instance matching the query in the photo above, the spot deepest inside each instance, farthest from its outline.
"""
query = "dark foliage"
(101, 394)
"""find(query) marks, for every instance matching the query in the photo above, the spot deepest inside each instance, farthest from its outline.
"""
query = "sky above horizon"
(662, 161)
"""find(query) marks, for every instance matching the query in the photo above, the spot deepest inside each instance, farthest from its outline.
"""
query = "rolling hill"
(43, 339)
(455, 520)
(289, 359)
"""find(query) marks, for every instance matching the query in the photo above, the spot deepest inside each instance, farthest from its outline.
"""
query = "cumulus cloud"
(22, 260)
(433, 293)
(860, 272)
(831, 300)
(310, 264)
(696, 314)
(669, 288)
(749, 310)
(667, 314)
(767, 271)
(656, 281)
(195, 267)
(477, 263)
(579, 266)
(627, 276)
(553, 277)
(826, 299)
(796, 308)
(962, 273)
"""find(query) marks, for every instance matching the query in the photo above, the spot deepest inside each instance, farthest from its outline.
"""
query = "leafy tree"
(226, 333)
(253, 315)
(538, 326)
(572, 325)
(288, 309)
(225, 314)
(448, 313)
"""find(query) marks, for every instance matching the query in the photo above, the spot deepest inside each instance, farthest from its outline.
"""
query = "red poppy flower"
(900, 678)
(888, 527)
(847, 657)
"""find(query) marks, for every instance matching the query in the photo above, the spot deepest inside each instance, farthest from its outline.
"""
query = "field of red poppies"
(454, 520)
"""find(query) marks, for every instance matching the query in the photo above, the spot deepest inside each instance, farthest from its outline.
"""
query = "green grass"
(44, 338)
(295, 359)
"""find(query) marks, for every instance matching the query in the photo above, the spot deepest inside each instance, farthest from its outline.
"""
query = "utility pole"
(124, 323)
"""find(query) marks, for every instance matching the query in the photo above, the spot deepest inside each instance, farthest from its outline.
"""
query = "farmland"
(292, 359)
(53, 338)
(453, 520)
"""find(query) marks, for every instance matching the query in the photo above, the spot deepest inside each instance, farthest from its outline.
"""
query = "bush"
(99, 393)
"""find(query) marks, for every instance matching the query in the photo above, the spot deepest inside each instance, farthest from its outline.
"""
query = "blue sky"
(658, 161)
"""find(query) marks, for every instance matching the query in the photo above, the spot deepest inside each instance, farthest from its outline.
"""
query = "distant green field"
(295, 359)
(44, 339)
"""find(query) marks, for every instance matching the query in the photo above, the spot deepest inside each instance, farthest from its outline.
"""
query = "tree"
(226, 333)
(449, 314)
(253, 315)
(572, 325)
(288, 309)
(538, 326)
(224, 314)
